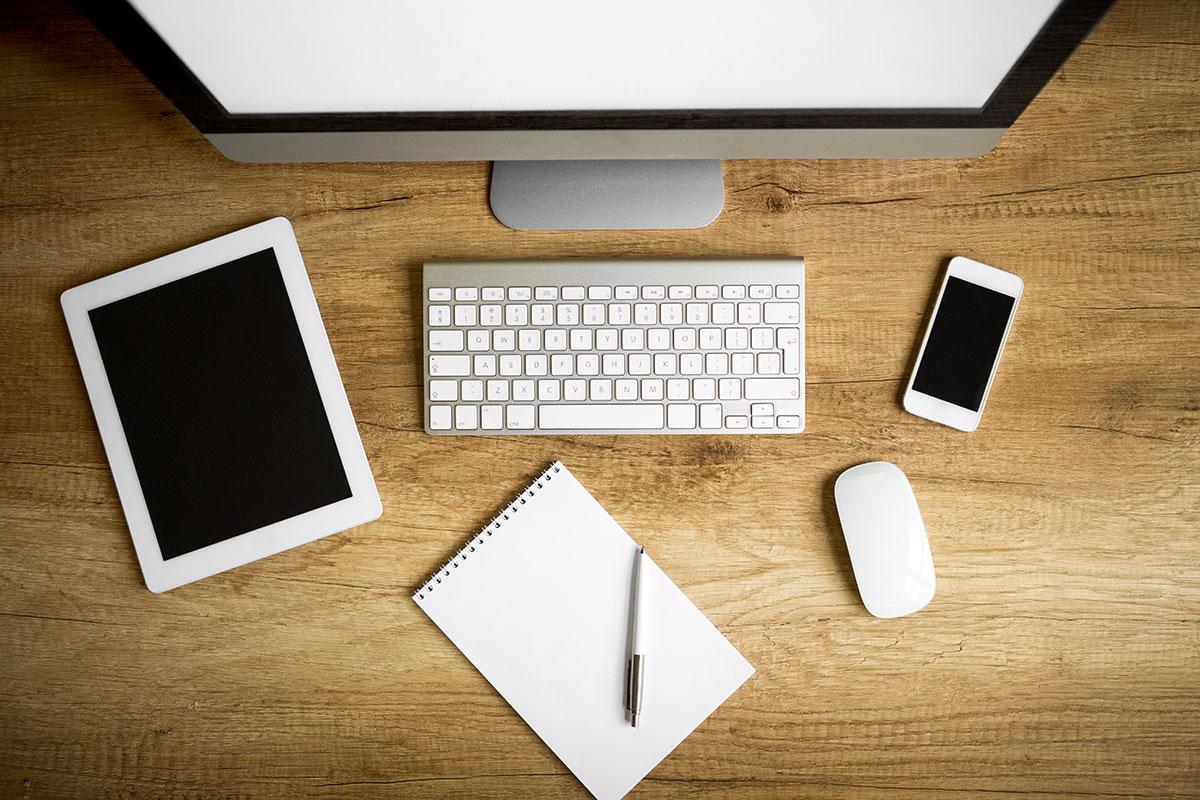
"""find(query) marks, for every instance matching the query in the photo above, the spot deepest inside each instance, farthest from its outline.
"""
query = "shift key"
(450, 366)
(772, 389)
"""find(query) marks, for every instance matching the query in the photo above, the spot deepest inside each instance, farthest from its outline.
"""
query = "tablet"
(221, 410)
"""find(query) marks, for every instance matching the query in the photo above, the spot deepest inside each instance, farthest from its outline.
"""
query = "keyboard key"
(716, 364)
(479, 340)
(572, 293)
(464, 316)
(535, 365)
(697, 313)
(613, 364)
(497, 390)
(600, 389)
(510, 366)
(742, 364)
(466, 294)
(762, 422)
(685, 338)
(516, 316)
(542, 314)
(787, 422)
(562, 365)
(772, 388)
(671, 313)
(520, 293)
(654, 292)
(627, 389)
(658, 339)
(677, 389)
(633, 338)
(450, 366)
(710, 338)
(737, 423)
(733, 292)
(789, 343)
(491, 417)
(442, 341)
(729, 388)
(679, 292)
(472, 391)
(567, 315)
(523, 390)
(723, 313)
(520, 418)
(439, 418)
(604, 417)
(581, 339)
(645, 314)
(768, 364)
(575, 389)
(788, 292)
(600, 293)
(549, 390)
(485, 365)
(761, 409)
(707, 293)
(710, 415)
(439, 295)
(505, 341)
(652, 388)
(593, 314)
(492, 293)
(762, 338)
(681, 416)
(545, 293)
(691, 364)
(665, 364)
(705, 389)
(466, 418)
(627, 293)
(639, 364)
(587, 364)
(556, 339)
(439, 316)
(749, 313)
(618, 313)
(760, 292)
(781, 313)
(491, 316)
(736, 339)
(529, 339)
(444, 391)
(606, 339)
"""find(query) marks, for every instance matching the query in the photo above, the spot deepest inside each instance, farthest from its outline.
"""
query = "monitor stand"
(607, 195)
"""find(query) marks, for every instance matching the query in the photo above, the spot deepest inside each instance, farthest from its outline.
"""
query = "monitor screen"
(259, 57)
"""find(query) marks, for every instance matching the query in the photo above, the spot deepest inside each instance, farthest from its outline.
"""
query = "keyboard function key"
(760, 292)
(654, 293)
(707, 292)
(733, 292)
(439, 295)
(520, 293)
(492, 294)
(466, 294)
(600, 293)
(626, 293)
(573, 293)
(545, 293)
(787, 292)
(679, 292)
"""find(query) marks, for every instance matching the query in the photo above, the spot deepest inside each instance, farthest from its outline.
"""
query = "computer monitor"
(599, 115)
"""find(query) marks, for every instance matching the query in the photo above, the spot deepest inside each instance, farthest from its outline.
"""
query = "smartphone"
(957, 360)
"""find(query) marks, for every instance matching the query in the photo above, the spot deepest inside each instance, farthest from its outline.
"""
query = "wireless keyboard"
(575, 347)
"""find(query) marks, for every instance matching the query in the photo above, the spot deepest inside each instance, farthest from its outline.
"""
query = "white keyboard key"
(542, 314)
(606, 339)
(562, 365)
(787, 422)
(760, 292)
(652, 388)
(450, 366)
(516, 316)
(685, 338)
(504, 341)
(681, 416)
(733, 292)
(710, 338)
(479, 340)
(704, 389)
(678, 389)
(633, 338)
(573, 293)
(581, 339)
(466, 418)
(549, 390)
(697, 313)
(768, 364)
(439, 418)
(749, 313)
(665, 364)
(472, 391)
(491, 316)
(762, 338)
(654, 292)
(627, 293)
(587, 364)
(639, 364)
(730, 388)
(443, 391)
(613, 364)
(710, 415)
(723, 314)
(762, 422)
(529, 339)
(679, 292)
(618, 313)
(561, 417)
(707, 292)
(593, 314)
(645, 314)
(789, 343)
(762, 409)
(520, 293)
(691, 364)
(464, 316)
(658, 339)
(736, 339)
(716, 364)
(491, 417)
(520, 418)
(556, 339)
(737, 423)
(545, 293)
(627, 389)
(600, 389)
(781, 313)
(443, 341)
(510, 366)
(742, 364)
(497, 389)
(535, 365)
(787, 292)
(523, 390)
(671, 313)
(439, 316)
(567, 315)
(492, 294)
(439, 295)
(466, 294)
(485, 365)
(772, 388)
(575, 389)
(600, 293)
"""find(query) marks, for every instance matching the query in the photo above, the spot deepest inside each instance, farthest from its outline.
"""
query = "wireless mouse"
(886, 539)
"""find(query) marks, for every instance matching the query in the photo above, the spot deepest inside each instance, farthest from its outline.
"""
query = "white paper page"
(541, 608)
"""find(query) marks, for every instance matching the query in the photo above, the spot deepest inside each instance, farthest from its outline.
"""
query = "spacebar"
(600, 417)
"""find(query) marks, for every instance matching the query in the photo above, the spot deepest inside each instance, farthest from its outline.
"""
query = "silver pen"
(635, 669)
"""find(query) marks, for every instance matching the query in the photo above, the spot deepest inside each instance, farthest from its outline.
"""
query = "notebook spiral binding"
(492, 527)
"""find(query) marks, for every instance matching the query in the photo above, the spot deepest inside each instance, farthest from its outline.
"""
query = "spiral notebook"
(539, 602)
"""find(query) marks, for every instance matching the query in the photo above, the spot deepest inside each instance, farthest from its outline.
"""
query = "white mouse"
(886, 539)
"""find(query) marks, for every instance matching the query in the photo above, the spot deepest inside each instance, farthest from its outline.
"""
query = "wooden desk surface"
(1061, 657)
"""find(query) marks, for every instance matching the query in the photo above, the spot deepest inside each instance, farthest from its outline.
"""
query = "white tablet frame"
(363, 504)
(934, 408)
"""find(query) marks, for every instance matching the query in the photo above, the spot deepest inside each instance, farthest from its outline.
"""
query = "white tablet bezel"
(363, 504)
(934, 408)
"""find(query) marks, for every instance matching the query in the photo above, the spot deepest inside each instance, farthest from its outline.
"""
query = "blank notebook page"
(539, 602)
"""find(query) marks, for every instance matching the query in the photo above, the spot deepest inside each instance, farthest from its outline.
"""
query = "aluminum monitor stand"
(607, 195)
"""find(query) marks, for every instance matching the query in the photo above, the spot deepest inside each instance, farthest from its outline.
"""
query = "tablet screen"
(218, 403)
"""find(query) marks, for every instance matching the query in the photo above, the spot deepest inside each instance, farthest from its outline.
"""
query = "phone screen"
(963, 343)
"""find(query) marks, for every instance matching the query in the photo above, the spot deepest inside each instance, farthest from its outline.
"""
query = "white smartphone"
(957, 360)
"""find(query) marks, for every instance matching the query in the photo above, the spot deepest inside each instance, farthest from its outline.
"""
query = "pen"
(637, 653)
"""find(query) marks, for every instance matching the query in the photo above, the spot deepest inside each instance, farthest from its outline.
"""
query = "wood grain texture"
(1061, 658)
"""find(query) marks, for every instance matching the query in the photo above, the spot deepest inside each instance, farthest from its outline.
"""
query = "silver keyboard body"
(604, 347)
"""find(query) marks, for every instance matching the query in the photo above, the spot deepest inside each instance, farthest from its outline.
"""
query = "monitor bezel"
(1063, 32)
